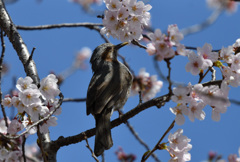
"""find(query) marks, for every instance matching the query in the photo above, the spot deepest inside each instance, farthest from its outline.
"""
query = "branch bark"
(10, 29)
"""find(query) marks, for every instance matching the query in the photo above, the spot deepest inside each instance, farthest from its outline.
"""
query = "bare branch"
(1, 67)
(54, 26)
(88, 146)
(144, 158)
(64, 141)
(92, 26)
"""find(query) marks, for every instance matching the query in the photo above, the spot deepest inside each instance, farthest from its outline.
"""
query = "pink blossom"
(180, 111)
(195, 64)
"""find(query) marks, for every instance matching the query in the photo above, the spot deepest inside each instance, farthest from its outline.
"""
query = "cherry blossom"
(226, 54)
(30, 96)
(7, 101)
(180, 111)
(14, 127)
(161, 44)
(49, 87)
(148, 85)
(23, 84)
(180, 95)
(195, 64)
(125, 20)
(179, 146)
(208, 56)
(3, 153)
(196, 111)
(3, 128)
(174, 35)
(52, 121)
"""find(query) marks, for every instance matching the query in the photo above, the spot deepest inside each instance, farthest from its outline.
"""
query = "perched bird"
(108, 90)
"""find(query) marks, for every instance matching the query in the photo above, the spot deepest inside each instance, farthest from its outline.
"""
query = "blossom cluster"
(191, 101)
(33, 104)
(228, 5)
(10, 150)
(179, 146)
(161, 44)
(148, 85)
(204, 59)
(125, 20)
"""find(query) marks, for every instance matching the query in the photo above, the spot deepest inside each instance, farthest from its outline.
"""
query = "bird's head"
(105, 52)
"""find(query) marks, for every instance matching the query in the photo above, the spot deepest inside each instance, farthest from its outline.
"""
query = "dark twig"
(92, 26)
(126, 64)
(140, 97)
(90, 149)
(31, 56)
(23, 148)
(140, 140)
(54, 26)
(74, 99)
(1, 67)
(203, 76)
(169, 76)
(157, 145)
(161, 75)
(134, 42)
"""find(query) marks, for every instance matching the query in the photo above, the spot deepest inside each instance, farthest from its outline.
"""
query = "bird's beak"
(117, 47)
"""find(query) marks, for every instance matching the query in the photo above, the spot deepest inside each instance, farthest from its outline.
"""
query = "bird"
(108, 91)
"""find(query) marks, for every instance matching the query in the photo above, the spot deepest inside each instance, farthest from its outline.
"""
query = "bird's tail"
(103, 138)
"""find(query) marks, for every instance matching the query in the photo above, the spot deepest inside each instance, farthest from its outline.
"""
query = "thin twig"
(144, 158)
(169, 76)
(74, 99)
(140, 97)
(54, 26)
(140, 140)
(203, 76)
(126, 64)
(31, 56)
(164, 78)
(92, 26)
(90, 149)
(23, 148)
(138, 44)
(1, 67)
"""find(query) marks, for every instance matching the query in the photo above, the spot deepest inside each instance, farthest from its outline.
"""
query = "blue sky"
(56, 49)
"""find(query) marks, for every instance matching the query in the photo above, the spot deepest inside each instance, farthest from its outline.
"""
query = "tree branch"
(9, 28)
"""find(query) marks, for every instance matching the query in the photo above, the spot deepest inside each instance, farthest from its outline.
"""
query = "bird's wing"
(101, 90)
